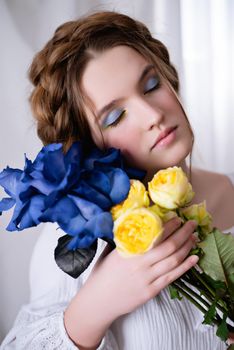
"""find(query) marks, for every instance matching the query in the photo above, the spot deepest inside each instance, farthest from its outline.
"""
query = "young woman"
(105, 80)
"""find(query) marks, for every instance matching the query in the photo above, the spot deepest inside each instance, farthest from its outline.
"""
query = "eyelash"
(118, 120)
(155, 87)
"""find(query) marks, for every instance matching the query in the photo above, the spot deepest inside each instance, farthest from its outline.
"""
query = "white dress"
(160, 324)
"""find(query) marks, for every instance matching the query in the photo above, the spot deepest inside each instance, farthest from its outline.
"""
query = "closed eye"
(113, 118)
(152, 83)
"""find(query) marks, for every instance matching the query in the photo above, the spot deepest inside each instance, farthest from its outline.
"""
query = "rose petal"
(99, 226)
(120, 185)
(87, 209)
(9, 180)
(91, 194)
(62, 211)
(6, 204)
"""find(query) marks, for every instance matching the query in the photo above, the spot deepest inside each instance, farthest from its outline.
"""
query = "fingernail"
(194, 259)
(193, 223)
(194, 238)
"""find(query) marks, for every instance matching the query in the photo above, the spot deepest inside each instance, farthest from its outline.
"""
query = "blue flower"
(75, 189)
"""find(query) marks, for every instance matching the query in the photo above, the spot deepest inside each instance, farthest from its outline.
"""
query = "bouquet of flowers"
(93, 195)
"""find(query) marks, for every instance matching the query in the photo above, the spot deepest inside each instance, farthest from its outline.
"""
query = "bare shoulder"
(218, 191)
(212, 180)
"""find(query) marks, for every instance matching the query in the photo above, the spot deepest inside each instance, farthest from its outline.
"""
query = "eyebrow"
(110, 105)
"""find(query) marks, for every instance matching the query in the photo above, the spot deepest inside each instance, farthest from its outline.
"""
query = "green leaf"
(219, 287)
(73, 262)
(196, 251)
(218, 258)
(210, 314)
(174, 294)
(222, 331)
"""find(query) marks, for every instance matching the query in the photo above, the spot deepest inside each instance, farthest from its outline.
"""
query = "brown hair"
(57, 100)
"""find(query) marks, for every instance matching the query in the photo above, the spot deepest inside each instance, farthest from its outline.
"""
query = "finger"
(163, 281)
(171, 244)
(170, 227)
(170, 263)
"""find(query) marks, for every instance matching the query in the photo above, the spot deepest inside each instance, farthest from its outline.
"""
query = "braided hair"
(57, 99)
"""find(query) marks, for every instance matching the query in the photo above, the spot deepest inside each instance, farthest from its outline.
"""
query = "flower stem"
(176, 284)
(220, 303)
(198, 276)
(186, 291)
(193, 293)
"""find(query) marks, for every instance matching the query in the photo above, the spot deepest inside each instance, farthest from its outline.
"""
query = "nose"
(148, 114)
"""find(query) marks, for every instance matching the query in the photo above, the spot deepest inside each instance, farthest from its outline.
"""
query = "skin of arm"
(129, 282)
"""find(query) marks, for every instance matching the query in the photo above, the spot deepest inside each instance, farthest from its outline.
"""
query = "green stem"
(193, 293)
(180, 285)
(221, 305)
(220, 302)
(186, 295)
(198, 276)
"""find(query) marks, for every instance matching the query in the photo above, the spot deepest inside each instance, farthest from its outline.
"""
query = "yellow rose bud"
(199, 213)
(136, 230)
(163, 213)
(137, 198)
(170, 188)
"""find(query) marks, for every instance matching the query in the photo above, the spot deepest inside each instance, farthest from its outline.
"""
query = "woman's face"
(136, 112)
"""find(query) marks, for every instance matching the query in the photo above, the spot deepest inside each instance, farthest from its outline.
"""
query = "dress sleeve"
(40, 323)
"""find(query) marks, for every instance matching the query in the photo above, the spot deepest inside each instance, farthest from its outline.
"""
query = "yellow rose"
(163, 213)
(136, 230)
(170, 188)
(137, 197)
(199, 213)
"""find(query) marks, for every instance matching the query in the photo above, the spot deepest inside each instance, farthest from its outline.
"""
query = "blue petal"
(17, 215)
(54, 167)
(9, 180)
(98, 180)
(74, 154)
(26, 214)
(97, 157)
(6, 204)
(91, 194)
(32, 186)
(32, 213)
(73, 175)
(62, 211)
(120, 186)
(99, 226)
(74, 226)
(38, 163)
(87, 209)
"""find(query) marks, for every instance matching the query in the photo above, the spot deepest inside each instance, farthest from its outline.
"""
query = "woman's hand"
(122, 284)
(118, 285)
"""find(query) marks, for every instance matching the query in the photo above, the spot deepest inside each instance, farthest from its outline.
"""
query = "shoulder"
(210, 179)
(218, 191)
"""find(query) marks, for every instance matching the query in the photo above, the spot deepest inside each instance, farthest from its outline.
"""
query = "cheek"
(123, 140)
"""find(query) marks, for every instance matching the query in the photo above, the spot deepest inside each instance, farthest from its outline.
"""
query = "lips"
(163, 135)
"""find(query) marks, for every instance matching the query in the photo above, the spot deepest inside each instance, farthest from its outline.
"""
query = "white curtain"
(207, 36)
(199, 35)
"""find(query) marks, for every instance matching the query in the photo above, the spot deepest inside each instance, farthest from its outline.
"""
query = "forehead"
(111, 74)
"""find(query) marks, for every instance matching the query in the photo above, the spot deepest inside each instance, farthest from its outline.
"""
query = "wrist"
(86, 321)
